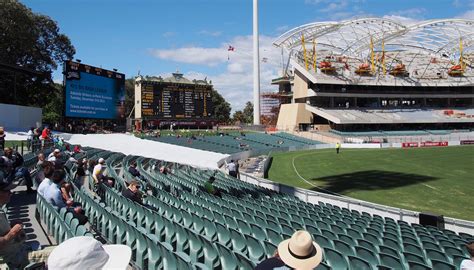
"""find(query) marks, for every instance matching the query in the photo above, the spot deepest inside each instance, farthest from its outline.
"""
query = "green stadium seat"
(335, 259)
(323, 266)
(258, 232)
(414, 257)
(374, 239)
(391, 261)
(223, 235)
(358, 263)
(227, 258)
(417, 266)
(210, 230)
(355, 234)
(323, 241)
(367, 254)
(343, 247)
(269, 248)
(389, 251)
(345, 238)
(442, 265)
(434, 254)
(415, 249)
(273, 236)
(243, 262)
(256, 251)
(238, 241)
(430, 245)
(211, 256)
(458, 259)
(389, 242)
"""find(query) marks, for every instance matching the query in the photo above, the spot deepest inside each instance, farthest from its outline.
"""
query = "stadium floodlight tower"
(256, 67)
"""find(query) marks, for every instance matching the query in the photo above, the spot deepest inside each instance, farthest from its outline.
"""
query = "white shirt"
(43, 186)
(51, 155)
(467, 265)
(98, 169)
(231, 167)
(52, 159)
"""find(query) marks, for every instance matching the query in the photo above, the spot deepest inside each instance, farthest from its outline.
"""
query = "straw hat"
(300, 252)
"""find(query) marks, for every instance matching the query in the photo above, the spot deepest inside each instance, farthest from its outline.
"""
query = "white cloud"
(234, 76)
(168, 34)
(193, 55)
(467, 15)
(402, 19)
(412, 13)
(210, 33)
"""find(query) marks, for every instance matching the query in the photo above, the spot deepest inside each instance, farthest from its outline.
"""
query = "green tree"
(53, 110)
(31, 47)
(248, 112)
(221, 107)
(238, 117)
(129, 96)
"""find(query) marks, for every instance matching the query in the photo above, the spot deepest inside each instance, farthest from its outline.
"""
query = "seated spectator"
(77, 149)
(165, 170)
(468, 264)
(132, 192)
(209, 186)
(98, 174)
(14, 252)
(41, 159)
(298, 252)
(54, 155)
(84, 252)
(133, 170)
(13, 163)
(46, 182)
(53, 194)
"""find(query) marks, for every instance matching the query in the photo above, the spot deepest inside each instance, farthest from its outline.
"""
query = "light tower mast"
(256, 67)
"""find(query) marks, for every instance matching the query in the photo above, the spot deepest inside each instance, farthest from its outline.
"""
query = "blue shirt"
(52, 194)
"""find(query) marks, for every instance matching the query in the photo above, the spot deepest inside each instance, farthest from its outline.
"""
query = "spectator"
(84, 252)
(98, 174)
(237, 171)
(41, 160)
(132, 192)
(46, 182)
(209, 186)
(13, 250)
(338, 147)
(77, 149)
(29, 139)
(81, 170)
(53, 193)
(133, 170)
(53, 155)
(13, 163)
(2, 138)
(164, 170)
(45, 136)
(468, 264)
(232, 168)
(298, 252)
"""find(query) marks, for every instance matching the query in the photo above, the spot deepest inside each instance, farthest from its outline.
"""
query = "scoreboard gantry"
(177, 101)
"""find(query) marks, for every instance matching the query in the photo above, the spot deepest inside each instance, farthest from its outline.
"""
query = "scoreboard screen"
(166, 100)
(93, 92)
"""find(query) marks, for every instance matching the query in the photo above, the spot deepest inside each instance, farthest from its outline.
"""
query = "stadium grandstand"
(177, 225)
(373, 74)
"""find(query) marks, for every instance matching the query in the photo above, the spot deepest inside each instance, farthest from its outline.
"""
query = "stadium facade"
(376, 73)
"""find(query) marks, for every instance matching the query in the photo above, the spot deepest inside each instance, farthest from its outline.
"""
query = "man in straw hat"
(298, 252)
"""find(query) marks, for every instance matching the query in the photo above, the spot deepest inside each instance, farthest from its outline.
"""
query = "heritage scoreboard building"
(174, 100)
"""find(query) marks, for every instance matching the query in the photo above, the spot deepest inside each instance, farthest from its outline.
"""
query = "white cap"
(101, 160)
(84, 252)
(57, 151)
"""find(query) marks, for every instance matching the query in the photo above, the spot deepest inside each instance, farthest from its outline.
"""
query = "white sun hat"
(84, 252)
(300, 252)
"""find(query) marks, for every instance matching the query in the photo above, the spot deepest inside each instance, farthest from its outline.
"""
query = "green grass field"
(438, 180)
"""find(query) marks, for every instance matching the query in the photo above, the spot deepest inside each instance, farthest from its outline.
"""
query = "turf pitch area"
(438, 180)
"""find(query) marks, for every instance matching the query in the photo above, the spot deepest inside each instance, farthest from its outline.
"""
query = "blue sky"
(159, 37)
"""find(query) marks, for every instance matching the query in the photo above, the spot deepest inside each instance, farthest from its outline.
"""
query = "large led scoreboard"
(173, 101)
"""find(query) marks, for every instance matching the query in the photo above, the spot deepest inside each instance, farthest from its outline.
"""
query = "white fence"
(314, 197)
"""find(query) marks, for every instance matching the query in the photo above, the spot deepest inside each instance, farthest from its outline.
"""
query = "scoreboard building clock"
(174, 100)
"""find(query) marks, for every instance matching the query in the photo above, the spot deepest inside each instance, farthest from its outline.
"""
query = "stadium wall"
(19, 118)
(456, 225)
